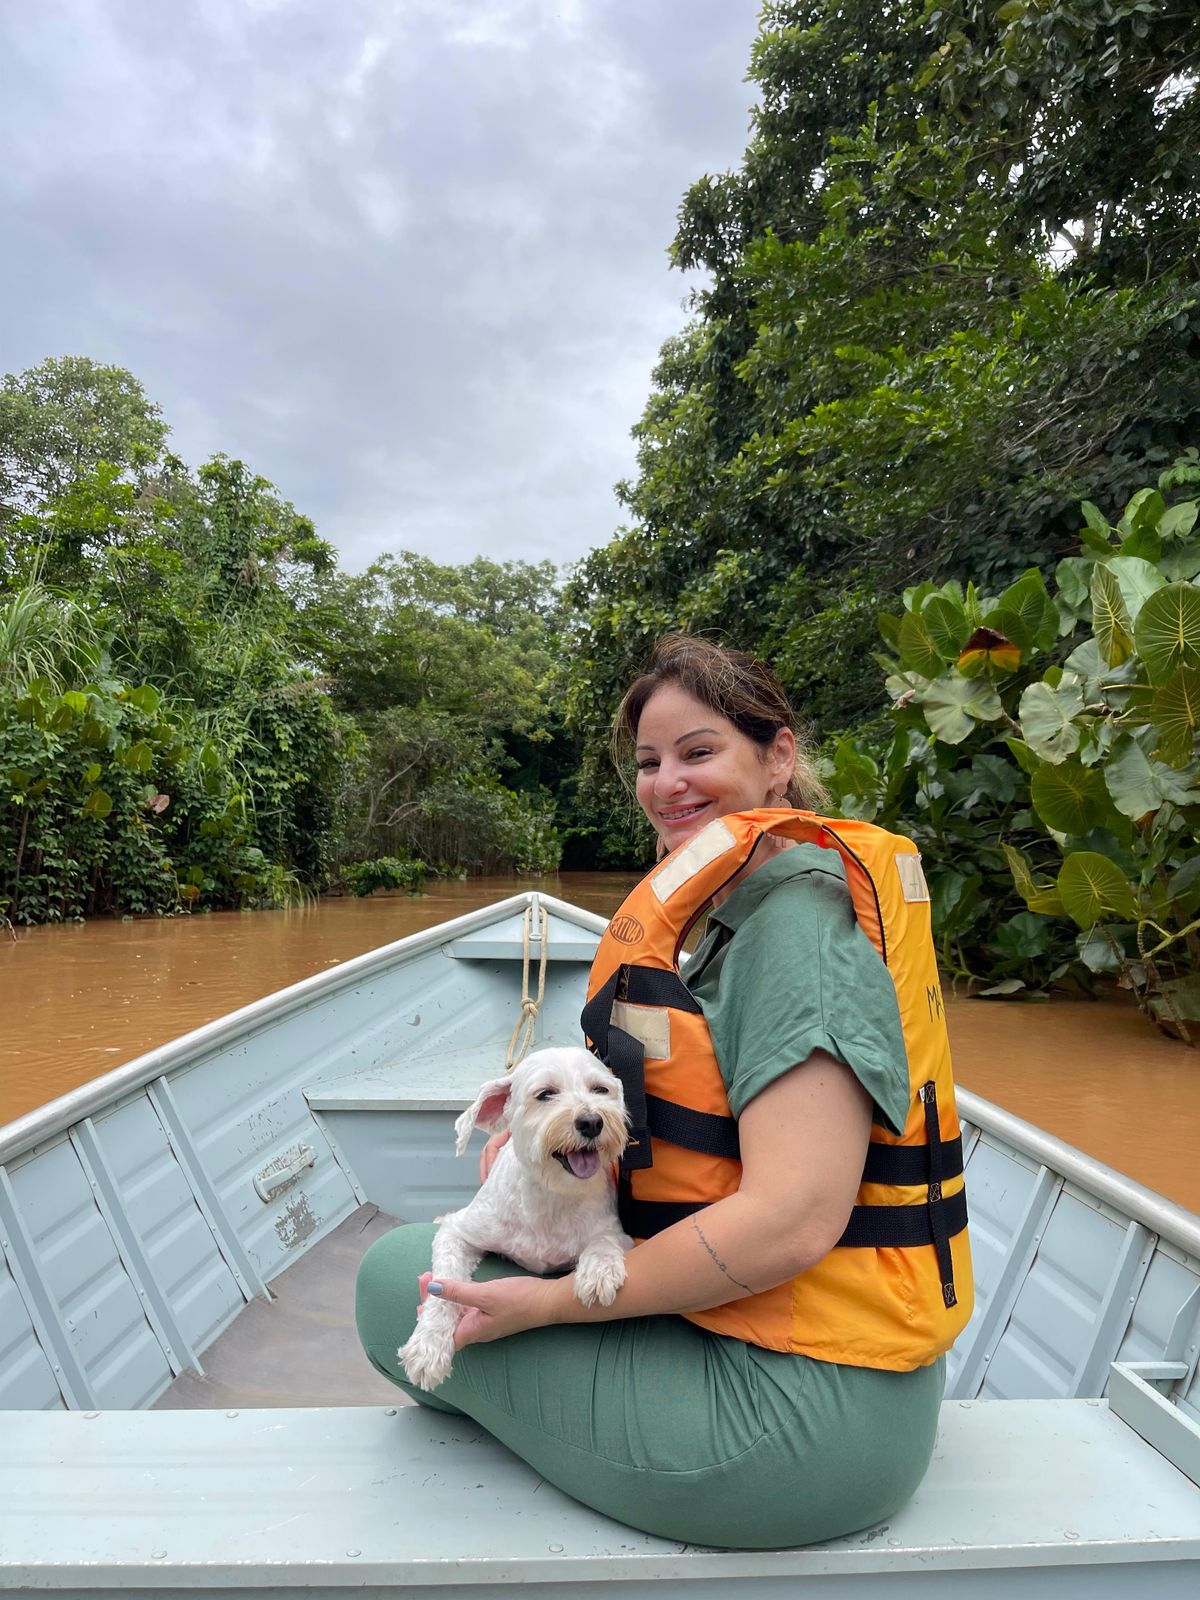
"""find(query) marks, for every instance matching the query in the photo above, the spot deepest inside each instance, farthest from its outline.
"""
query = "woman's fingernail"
(435, 1288)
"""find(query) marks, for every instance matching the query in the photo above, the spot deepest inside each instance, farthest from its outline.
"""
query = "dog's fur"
(548, 1202)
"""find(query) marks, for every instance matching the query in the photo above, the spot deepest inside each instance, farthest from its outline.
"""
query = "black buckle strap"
(906, 1165)
(870, 1227)
(654, 986)
(936, 1204)
(702, 1131)
(903, 1227)
(625, 1056)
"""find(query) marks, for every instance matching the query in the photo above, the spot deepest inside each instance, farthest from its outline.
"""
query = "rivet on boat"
(157, 1555)
(231, 1413)
(354, 1552)
(90, 1415)
(555, 1549)
(1069, 1533)
(390, 1411)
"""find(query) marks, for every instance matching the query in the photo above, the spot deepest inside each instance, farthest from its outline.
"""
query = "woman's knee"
(387, 1292)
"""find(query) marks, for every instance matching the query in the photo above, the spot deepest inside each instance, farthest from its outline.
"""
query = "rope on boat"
(529, 1006)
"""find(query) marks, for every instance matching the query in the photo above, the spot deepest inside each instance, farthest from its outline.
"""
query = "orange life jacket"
(897, 1288)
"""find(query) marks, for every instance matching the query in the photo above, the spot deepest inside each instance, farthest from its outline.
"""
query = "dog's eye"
(599, 1088)
(545, 1094)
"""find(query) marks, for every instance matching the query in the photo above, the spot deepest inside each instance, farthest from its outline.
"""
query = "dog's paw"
(427, 1357)
(597, 1279)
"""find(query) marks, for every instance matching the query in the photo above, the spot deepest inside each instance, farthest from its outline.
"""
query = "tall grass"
(45, 635)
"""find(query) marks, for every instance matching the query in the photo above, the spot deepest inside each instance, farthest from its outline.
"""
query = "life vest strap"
(626, 1056)
(936, 1205)
(906, 1164)
(870, 1227)
(901, 1165)
(702, 1131)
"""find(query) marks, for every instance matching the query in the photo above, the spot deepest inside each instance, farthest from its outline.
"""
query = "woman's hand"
(487, 1156)
(497, 1309)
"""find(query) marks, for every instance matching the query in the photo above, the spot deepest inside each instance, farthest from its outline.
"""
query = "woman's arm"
(803, 1142)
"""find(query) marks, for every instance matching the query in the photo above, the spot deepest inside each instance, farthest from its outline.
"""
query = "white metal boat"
(184, 1406)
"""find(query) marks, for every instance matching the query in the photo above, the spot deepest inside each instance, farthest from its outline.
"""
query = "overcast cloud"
(407, 258)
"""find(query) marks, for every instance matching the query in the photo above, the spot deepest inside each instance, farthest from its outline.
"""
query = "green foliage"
(387, 872)
(952, 291)
(1055, 739)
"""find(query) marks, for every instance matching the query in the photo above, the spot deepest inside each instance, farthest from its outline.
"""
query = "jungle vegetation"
(949, 329)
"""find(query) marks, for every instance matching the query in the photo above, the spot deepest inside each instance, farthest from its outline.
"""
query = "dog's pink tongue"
(583, 1163)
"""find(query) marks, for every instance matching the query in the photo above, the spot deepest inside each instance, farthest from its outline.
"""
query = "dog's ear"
(489, 1110)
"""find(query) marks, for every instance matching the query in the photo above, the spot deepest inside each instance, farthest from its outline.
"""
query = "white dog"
(548, 1202)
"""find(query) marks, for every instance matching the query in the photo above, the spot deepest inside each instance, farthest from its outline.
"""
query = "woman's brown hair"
(733, 684)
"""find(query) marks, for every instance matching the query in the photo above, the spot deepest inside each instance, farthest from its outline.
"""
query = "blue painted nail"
(435, 1288)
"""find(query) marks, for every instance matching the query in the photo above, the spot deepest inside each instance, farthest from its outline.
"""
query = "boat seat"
(506, 944)
(393, 1126)
(443, 1081)
(1046, 1496)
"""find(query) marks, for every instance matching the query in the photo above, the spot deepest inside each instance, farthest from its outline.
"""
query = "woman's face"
(694, 765)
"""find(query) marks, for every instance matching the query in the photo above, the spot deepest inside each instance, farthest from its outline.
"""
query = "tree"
(942, 308)
(60, 420)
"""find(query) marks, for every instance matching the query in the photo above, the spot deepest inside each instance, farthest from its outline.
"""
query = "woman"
(635, 1409)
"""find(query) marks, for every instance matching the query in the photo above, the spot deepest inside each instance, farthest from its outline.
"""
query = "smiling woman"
(767, 1374)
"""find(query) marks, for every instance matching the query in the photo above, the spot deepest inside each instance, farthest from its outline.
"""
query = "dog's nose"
(588, 1127)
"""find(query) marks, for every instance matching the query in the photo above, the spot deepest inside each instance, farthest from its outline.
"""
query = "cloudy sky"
(407, 258)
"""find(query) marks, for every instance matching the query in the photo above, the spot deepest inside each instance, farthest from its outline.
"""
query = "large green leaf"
(1175, 713)
(97, 804)
(997, 778)
(1069, 798)
(1073, 576)
(953, 705)
(916, 648)
(1143, 511)
(1091, 887)
(145, 697)
(1138, 581)
(1167, 632)
(1012, 625)
(1095, 677)
(1180, 562)
(889, 627)
(1139, 784)
(946, 623)
(1025, 757)
(1095, 518)
(1178, 521)
(1110, 618)
(1047, 719)
(1040, 897)
(1029, 600)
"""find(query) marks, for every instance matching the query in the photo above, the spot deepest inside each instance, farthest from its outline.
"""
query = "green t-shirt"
(784, 969)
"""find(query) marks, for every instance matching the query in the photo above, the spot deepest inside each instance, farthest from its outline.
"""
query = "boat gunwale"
(1167, 1219)
(64, 1111)
(1134, 1200)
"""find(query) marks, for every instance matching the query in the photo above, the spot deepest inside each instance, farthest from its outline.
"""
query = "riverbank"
(80, 1000)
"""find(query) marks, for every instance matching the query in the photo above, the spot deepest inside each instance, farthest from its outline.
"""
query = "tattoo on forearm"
(717, 1260)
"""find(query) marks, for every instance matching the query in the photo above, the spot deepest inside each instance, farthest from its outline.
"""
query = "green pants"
(668, 1428)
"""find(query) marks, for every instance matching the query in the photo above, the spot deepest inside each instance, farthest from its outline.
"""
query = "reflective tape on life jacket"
(897, 1288)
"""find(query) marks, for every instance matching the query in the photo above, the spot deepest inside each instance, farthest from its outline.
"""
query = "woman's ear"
(783, 759)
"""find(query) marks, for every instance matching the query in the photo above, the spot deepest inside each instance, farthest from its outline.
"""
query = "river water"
(78, 1001)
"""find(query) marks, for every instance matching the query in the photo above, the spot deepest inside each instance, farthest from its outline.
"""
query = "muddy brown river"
(78, 1001)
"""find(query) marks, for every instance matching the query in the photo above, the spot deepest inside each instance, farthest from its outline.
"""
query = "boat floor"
(300, 1348)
